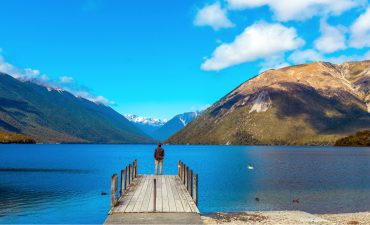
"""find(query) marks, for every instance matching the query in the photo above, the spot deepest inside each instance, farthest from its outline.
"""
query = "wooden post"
(184, 180)
(129, 174)
(190, 188)
(187, 177)
(113, 190)
(126, 178)
(155, 195)
(122, 182)
(195, 189)
(178, 168)
(135, 173)
(184, 173)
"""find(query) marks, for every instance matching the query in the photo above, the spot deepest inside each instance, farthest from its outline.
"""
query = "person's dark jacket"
(159, 153)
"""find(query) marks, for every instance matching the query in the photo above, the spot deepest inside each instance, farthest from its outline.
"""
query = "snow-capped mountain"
(174, 125)
(144, 120)
(162, 129)
(148, 125)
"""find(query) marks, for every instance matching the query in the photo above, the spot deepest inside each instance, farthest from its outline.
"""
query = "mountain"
(360, 139)
(174, 125)
(309, 104)
(50, 116)
(148, 125)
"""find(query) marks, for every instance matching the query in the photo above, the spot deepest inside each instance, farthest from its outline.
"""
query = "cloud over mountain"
(63, 83)
(257, 41)
(332, 38)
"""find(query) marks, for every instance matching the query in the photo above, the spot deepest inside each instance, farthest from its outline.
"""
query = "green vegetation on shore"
(360, 139)
(11, 138)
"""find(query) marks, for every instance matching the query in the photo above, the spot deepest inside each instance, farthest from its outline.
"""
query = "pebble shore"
(286, 218)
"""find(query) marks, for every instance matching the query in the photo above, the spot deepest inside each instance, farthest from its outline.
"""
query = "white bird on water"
(250, 167)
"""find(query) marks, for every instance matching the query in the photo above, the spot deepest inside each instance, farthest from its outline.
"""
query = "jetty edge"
(154, 199)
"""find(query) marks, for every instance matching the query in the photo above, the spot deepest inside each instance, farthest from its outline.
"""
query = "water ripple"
(43, 170)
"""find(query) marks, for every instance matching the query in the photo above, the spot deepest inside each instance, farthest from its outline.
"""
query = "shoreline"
(285, 218)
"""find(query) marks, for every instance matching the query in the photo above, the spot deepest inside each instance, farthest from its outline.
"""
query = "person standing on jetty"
(158, 156)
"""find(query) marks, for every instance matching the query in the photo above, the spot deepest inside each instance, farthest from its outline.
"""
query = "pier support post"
(122, 182)
(186, 177)
(126, 178)
(183, 172)
(135, 168)
(155, 195)
(179, 168)
(195, 189)
(113, 190)
(129, 174)
(190, 184)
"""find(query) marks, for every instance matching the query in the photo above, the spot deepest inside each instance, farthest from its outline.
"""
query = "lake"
(63, 183)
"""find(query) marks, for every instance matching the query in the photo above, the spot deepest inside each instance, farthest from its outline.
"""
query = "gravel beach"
(286, 218)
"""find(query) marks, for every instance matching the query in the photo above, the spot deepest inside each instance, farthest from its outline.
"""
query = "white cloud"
(37, 77)
(345, 58)
(214, 16)
(332, 38)
(360, 31)
(299, 57)
(95, 99)
(261, 40)
(65, 79)
(20, 73)
(285, 10)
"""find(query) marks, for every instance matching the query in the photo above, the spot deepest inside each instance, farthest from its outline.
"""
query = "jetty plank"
(172, 196)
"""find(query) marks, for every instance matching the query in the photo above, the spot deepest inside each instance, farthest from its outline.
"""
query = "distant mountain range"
(52, 115)
(160, 129)
(148, 125)
(309, 104)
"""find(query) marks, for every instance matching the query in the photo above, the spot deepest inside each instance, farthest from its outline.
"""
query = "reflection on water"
(42, 170)
(16, 200)
(62, 183)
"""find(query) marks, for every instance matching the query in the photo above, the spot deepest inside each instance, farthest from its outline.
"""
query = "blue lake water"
(63, 183)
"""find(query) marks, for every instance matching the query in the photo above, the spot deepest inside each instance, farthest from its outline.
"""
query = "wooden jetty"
(154, 199)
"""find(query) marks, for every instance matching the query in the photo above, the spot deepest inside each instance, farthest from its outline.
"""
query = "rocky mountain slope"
(309, 104)
(48, 116)
(174, 125)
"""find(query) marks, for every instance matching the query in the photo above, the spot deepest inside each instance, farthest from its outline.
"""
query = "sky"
(161, 58)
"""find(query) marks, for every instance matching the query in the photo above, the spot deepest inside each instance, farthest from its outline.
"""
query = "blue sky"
(161, 58)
